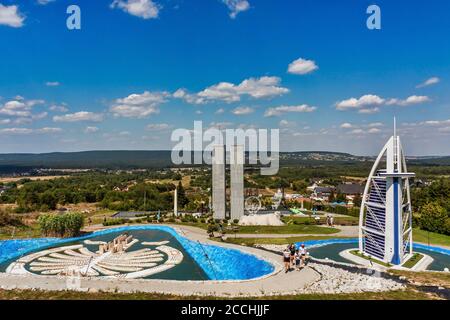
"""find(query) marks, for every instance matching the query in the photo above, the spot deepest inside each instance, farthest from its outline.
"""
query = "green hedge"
(115, 222)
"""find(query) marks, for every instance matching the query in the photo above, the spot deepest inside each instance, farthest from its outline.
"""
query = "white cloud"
(220, 125)
(287, 109)
(139, 105)
(257, 88)
(52, 84)
(145, 9)
(346, 125)
(444, 129)
(240, 111)
(158, 127)
(49, 130)
(302, 66)
(356, 131)
(5, 121)
(369, 110)
(16, 131)
(285, 123)
(10, 16)
(58, 108)
(374, 130)
(362, 129)
(412, 100)
(79, 116)
(370, 103)
(364, 101)
(220, 111)
(236, 6)
(44, 2)
(91, 129)
(429, 82)
(20, 107)
(26, 131)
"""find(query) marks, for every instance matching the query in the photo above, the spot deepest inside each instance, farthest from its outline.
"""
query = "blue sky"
(138, 69)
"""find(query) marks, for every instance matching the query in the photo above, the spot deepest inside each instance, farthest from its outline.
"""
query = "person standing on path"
(292, 252)
(303, 253)
(287, 259)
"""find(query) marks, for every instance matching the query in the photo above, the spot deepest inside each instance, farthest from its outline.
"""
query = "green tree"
(182, 199)
(434, 218)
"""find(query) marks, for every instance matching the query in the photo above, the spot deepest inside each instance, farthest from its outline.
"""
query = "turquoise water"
(214, 262)
(322, 249)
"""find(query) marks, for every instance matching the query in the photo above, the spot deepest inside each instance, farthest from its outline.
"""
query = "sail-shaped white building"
(385, 221)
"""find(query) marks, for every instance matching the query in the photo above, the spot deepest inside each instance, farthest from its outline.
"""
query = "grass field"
(408, 294)
(430, 237)
(281, 240)
(7, 233)
(413, 260)
(347, 220)
(286, 229)
(356, 253)
(427, 278)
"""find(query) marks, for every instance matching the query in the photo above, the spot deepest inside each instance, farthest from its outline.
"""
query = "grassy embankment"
(441, 279)
(432, 238)
(408, 294)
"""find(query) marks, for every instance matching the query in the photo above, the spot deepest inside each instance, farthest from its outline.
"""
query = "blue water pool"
(331, 248)
(206, 261)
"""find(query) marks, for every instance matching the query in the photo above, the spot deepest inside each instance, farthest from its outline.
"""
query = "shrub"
(66, 225)
(115, 222)
(212, 228)
(171, 220)
(7, 220)
(236, 221)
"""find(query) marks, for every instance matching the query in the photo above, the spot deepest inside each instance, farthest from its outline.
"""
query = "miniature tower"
(175, 202)
(385, 221)
(237, 181)
(218, 182)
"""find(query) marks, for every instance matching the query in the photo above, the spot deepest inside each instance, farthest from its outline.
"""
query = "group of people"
(294, 257)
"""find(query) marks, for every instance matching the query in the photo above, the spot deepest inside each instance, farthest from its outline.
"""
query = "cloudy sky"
(138, 69)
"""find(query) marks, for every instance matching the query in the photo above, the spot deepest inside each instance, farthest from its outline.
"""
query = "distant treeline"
(10, 163)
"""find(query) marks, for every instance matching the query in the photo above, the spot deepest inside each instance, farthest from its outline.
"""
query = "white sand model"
(111, 260)
(272, 219)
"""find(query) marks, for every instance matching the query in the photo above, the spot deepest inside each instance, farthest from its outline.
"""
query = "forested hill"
(161, 159)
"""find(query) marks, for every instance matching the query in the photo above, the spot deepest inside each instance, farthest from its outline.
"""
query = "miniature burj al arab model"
(385, 219)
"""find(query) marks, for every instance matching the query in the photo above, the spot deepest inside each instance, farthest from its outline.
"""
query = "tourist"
(303, 255)
(287, 259)
(297, 260)
(292, 253)
(331, 221)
